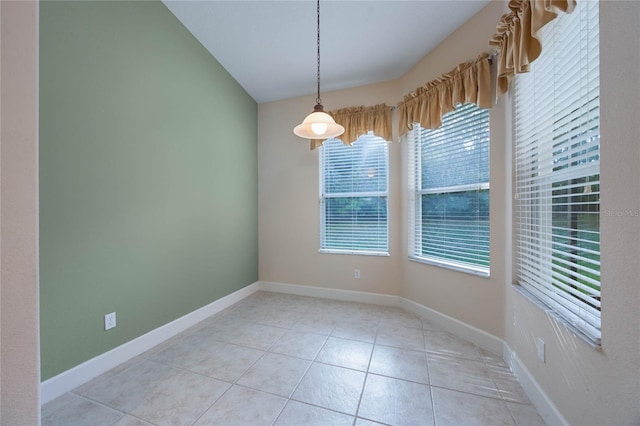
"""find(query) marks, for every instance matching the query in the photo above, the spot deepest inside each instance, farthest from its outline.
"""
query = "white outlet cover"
(356, 273)
(541, 349)
(110, 321)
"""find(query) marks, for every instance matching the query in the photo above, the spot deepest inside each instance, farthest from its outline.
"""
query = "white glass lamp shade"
(318, 125)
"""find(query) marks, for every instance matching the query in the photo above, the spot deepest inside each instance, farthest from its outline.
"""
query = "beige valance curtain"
(516, 37)
(468, 82)
(357, 121)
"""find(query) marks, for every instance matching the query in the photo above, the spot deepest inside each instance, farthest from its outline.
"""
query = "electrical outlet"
(541, 349)
(356, 273)
(110, 321)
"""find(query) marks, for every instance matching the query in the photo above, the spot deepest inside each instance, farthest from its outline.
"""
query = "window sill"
(353, 252)
(556, 317)
(484, 273)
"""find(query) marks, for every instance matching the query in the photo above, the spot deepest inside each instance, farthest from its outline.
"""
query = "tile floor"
(276, 359)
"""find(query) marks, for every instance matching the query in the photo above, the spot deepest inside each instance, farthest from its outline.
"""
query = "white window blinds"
(354, 196)
(449, 177)
(557, 160)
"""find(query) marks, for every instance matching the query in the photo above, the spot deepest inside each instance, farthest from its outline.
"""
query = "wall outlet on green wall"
(110, 321)
(135, 176)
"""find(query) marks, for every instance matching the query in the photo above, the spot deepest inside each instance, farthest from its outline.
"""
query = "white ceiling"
(269, 46)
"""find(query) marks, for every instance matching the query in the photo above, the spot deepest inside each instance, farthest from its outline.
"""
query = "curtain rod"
(490, 58)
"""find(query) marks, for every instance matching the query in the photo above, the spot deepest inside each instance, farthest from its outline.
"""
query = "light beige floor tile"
(445, 343)
(237, 314)
(461, 374)
(330, 308)
(299, 344)
(158, 394)
(457, 408)
(399, 317)
(250, 310)
(359, 312)
(399, 363)
(253, 335)
(396, 402)
(131, 421)
(164, 345)
(331, 387)
(317, 323)
(428, 324)
(307, 305)
(346, 353)
(248, 303)
(364, 422)
(492, 359)
(279, 318)
(175, 382)
(179, 400)
(240, 406)
(71, 409)
(314, 306)
(298, 414)
(275, 373)
(400, 337)
(510, 388)
(362, 331)
(525, 415)
(209, 357)
(223, 328)
(83, 389)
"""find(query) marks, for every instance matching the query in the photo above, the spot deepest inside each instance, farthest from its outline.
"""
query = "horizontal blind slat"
(556, 131)
(353, 195)
(449, 177)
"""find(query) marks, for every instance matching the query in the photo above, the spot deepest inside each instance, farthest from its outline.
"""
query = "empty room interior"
(452, 238)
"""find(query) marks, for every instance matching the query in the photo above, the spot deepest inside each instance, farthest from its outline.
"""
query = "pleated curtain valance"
(358, 121)
(469, 82)
(516, 39)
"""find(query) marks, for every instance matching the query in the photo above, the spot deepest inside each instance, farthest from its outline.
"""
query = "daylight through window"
(354, 193)
(449, 177)
(557, 155)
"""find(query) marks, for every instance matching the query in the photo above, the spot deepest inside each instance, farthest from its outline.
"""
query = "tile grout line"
(366, 377)
(426, 361)
(261, 314)
(86, 398)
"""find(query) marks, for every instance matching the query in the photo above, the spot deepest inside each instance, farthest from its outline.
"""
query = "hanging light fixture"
(318, 124)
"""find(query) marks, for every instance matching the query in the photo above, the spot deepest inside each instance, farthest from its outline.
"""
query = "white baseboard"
(479, 337)
(546, 408)
(461, 329)
(70, 379)
(331, 293)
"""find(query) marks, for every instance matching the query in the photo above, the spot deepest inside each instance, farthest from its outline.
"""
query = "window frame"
(554, 163)
(325, 195)
(416, 192)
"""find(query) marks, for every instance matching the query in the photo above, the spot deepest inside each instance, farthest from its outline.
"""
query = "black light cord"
(318, 100)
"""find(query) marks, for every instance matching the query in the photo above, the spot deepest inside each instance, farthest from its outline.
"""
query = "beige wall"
(592, 387)
(19, 342)
(468, 298)
(588, 386)
(288, 199)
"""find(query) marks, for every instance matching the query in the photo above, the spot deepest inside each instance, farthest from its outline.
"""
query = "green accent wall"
(148, 177)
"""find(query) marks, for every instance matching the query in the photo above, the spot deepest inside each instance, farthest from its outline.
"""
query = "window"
(449, 177)
(557, 159)
(354, 196)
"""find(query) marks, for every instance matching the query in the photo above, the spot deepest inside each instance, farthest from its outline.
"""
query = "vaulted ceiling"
(270, 46)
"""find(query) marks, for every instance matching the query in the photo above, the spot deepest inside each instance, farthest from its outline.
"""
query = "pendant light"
(318, 124)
